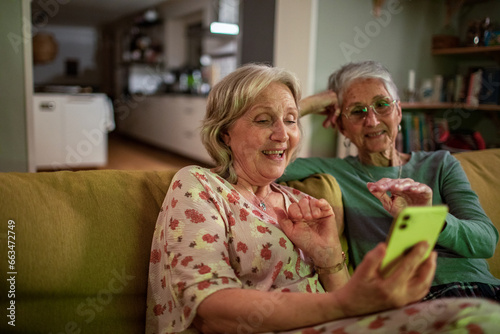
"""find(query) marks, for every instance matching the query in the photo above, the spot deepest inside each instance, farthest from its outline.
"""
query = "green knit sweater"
(468, 239)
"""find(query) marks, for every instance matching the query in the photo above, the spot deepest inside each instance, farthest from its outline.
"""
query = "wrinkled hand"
(310, 225)
(368, 291)
(323, 103)
(404, 192)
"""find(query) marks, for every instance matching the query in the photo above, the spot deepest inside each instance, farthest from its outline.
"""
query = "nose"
(279, 132)
(371, 117)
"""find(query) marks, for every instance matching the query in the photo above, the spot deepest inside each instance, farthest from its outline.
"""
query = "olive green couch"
(75, 246)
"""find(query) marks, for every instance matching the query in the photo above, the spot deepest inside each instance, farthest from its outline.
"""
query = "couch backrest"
(483, 171)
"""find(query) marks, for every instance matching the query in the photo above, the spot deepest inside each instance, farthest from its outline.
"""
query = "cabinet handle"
(47, 106)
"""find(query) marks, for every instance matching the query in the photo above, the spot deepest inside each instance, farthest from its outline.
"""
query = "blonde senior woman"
(235, 252)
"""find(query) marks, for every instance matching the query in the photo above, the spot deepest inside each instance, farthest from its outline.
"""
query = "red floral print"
(170, 306)
(155, 256)
(282, 242)
(159, 309)
(194, 216)
(263, 229)
(200, 177)
(243, 214)
(241, 247)
(258, 214)
(378, 323)
(288, 274)
(181, 286)
(175, 260)
(204, 195)
(176, 184)
(163, 282)
(266, 253)
(231, 219)
(210, 238)
(185, 261)
(187, 311)
(412, 310)
(173, 224)
(277, 270)
(204, 285)
(174, 202)
(233, 197)
(203, 269)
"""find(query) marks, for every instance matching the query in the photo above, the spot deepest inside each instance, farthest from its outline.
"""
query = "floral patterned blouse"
(209, 237)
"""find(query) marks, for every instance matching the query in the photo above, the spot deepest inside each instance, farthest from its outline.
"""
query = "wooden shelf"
(466, 50)
(437, 106)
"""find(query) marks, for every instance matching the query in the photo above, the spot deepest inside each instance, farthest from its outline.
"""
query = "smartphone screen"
(413, 225)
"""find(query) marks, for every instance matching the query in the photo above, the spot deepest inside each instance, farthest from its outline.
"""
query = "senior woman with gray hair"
(380, 181)
(235, 252)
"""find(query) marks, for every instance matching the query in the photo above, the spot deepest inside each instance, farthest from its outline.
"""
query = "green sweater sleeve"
(468, 232)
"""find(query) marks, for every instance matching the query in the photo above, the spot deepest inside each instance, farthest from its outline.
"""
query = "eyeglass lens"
(380, 107)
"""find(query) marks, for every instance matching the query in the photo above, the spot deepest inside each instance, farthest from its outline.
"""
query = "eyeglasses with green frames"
(357, 113)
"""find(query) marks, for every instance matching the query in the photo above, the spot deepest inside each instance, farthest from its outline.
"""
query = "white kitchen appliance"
(71, 130)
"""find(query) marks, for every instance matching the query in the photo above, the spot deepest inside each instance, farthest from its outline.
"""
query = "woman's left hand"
(404, 192)
(310, 225)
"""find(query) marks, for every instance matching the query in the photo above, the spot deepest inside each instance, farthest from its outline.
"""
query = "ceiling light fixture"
(224, 28)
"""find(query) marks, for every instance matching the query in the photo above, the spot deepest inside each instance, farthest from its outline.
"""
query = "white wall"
(316, 37)
(400, 38)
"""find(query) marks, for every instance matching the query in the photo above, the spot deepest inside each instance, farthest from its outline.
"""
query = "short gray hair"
(340, 80)
(229, 99)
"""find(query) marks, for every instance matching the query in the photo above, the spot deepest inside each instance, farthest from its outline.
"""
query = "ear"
(399, 111)
(340, 125)
(226, 138)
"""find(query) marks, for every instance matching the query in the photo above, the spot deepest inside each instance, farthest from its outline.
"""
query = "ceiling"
(86, 12)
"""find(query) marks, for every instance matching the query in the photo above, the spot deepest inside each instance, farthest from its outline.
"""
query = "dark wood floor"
(127, 153)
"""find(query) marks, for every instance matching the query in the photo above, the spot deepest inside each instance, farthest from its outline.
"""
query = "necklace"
(400, 169)
(261, 204)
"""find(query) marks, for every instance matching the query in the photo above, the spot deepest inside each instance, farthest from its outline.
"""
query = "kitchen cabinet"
(71, 130)
(170, 122)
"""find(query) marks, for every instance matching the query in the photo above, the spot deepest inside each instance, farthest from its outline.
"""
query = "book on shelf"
(420, 132)
(473, 86)
(490, 86)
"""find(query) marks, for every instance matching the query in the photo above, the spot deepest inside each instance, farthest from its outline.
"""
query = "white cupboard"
(171, 122)
(71, 131)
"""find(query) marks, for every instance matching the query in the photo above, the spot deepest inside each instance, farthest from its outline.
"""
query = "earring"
(399, 127)
(347, 142)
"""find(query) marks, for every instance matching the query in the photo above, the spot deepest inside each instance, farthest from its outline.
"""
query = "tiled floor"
(127, 153)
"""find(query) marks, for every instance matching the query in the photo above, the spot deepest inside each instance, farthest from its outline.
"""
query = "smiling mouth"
(278, 153)
(375, 134)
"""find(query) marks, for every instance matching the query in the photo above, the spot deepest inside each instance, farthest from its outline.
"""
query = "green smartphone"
(413, 225)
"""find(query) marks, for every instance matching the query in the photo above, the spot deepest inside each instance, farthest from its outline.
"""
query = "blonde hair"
(229, 100)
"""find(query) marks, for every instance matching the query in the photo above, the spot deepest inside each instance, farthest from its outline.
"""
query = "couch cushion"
(82, 247)
(482, 169)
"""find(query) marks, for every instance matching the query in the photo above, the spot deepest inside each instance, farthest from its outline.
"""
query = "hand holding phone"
(413, 225)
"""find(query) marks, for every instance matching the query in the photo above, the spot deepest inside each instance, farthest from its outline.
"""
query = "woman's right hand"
(368, 291)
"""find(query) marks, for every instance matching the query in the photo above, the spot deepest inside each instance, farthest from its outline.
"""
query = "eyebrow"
(376, 97)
